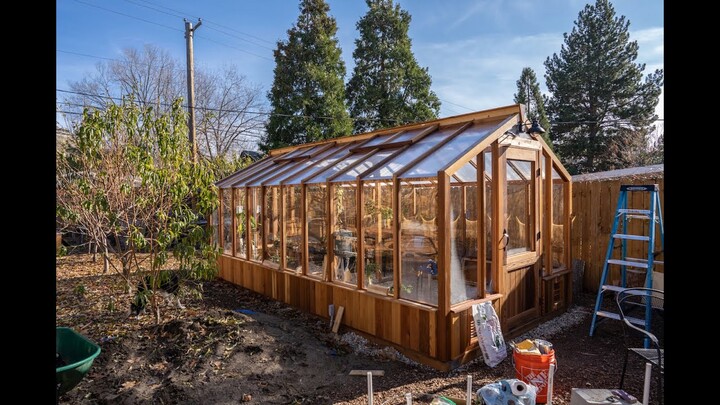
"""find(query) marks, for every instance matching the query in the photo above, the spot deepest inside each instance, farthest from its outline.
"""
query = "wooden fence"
(594, 201)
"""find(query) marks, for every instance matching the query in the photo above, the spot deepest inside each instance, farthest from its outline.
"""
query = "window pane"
(240, 222)
(463, 244)
(558, 228)
(336, 168)
(256, 248)
(418, 242)
(214, 221)
(227, 221)
(408, 135)
(387, 170)
(318, 165)
(272, 224)
(345, 233)
(377, 231)
(377, 140)
(304, 164)
(467, 173)
(519, 210)
(317, 217)
(365, 164)
(293, 228)
(452, 150)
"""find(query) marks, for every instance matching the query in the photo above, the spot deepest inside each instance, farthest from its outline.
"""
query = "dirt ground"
(238, 346)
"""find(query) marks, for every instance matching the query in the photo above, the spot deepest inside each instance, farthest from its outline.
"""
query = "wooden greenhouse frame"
(391, 225)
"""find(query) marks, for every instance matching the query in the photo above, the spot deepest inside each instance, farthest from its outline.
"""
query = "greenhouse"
(407, 228)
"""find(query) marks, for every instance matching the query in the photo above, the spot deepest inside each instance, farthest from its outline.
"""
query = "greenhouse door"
(522, 281)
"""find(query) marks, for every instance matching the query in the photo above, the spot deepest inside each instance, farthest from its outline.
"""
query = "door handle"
(506, 236)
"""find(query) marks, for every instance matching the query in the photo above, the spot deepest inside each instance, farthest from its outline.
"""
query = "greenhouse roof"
(414, 151)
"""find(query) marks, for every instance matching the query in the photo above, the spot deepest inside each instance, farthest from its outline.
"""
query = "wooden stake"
(338, 318)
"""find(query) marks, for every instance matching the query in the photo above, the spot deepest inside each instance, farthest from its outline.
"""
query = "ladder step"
(631, 237)
(628, 263)
(617, 288)
(613, 315)
(632, 211)
(645, 260)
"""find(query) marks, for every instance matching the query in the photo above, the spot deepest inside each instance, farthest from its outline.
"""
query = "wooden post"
(443, 216)
(360, 255)
(481, 225)
(499, 226)
(395, 201)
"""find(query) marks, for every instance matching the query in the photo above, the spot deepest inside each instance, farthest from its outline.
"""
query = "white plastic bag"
(490, 338)
(512, 391)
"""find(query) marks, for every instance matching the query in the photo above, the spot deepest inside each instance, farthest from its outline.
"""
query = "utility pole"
(189, 31)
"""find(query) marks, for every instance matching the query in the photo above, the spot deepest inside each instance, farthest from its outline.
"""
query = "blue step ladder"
(645, 265)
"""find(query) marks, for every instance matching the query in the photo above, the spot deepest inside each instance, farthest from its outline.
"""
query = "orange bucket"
(535, 369)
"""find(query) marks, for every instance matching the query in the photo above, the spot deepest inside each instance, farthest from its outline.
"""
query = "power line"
(172, 28)
(458, 105)
(130, 16)
(112, 59)
(212, 22)
(312, 117)
(184, 15)
(229, 110)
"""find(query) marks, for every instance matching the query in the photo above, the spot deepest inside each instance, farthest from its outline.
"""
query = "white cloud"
(480, 72)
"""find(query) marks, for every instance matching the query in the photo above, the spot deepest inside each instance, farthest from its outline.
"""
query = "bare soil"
(238, 346)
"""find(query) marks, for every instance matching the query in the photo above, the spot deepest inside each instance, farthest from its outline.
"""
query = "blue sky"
(474, 49)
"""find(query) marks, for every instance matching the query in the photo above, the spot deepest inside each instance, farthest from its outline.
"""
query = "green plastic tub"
(77, 353)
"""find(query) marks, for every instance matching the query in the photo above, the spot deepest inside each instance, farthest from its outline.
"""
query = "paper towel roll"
(518, 388)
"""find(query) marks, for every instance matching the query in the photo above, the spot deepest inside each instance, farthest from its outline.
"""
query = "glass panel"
(227, 220)
(317, 217)
(319, 165)
(214, 222)
(452, 150)
(523, 167)
(490, 284)
(418, 247)
(310, 151)
(293, 228)
(463, 244)
(262, 168)
(345, 233)
(297, 152)
(337, 167)
(378, 235)
(519, 210)
(558, 228)
(387, 170)
(272, 224)
(257, 181)
(377, 141)
(256, 247)
(408, 135)
(240, 223)
(365, 164)
(467, 173)
(302, 165)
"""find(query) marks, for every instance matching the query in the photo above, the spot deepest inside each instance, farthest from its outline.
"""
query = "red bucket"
(535, 369)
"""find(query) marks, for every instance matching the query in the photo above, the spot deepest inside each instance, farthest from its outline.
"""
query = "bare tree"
(230, 111)
(151, 75)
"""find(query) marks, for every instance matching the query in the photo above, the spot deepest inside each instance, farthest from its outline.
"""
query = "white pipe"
(408, 398)
(646, 388)
(468, 395)
(370, 389)
(551, 379)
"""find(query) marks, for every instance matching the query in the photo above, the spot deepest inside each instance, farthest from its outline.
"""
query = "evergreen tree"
(530, 96)
(388, 87)
(308, 93)
(600, 105)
